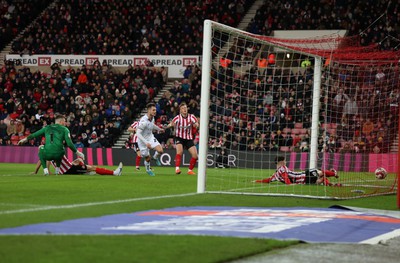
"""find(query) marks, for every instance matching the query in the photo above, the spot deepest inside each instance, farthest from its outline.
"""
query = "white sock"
(177, 168)
(115, 172)
(147, 165)
(57, 170)
(156, 155)
(46, 171)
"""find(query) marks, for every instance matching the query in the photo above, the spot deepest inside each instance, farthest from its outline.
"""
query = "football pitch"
(31, 199)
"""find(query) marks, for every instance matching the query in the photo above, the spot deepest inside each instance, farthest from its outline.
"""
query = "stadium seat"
(286, 130)
(298, 125)
(15, 139)
(303, 131)
(296, 131)
(285, 149)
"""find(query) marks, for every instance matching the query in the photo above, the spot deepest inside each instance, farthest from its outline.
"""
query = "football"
(380, 173)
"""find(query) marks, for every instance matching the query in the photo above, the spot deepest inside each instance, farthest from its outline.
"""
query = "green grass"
(18, 190)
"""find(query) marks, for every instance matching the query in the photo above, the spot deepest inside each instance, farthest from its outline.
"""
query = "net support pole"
(398, 167)
(315, 113)
(204, 110)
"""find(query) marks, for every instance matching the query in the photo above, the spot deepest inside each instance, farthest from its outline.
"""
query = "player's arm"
(195, 122)
(67, 138)
(38, 164)
(285, 177)
(39, 133)
(156, 128)
(264, 181)
(130, 129)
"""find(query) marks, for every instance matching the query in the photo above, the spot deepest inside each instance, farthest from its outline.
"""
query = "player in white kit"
(146, 139)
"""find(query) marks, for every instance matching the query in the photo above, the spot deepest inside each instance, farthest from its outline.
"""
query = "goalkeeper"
(53, 149)
(309, 176)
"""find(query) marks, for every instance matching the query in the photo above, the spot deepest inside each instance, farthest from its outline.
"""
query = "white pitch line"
(382, 238)
(92, 204)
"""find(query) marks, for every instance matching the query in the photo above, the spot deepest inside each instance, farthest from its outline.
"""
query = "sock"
(326, 182)
(138, 158)
(104, 171)
(156, 155)
(192, 163)
(328, 173)
(178, 158)
(57, 170)
(46, 171)
(265, 181)
(147, 165)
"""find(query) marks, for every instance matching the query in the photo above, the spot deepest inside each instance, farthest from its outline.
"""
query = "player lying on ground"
(309, 176)
(184, 123)
(53, 149)
(79, 167)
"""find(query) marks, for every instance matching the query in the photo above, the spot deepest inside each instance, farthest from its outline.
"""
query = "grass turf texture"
(18, 190)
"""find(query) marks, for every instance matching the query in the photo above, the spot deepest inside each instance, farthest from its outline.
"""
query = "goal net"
(326, 103)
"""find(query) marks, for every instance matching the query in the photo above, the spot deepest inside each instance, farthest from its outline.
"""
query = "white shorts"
(144, 151)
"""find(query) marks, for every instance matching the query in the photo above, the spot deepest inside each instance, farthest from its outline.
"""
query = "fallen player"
(79, 167)
(309, 176)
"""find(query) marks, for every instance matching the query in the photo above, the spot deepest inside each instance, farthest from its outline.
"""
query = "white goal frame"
(205, 96)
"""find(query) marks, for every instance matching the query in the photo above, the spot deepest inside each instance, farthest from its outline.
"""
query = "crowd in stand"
(99, 102)
(126, 27)
(375, 20)
(16, 15)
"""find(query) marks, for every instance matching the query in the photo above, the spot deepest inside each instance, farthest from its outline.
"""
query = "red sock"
(178, 158)
(264, 181)
(328, 173)
(138, 158)
(326, 182)
(192, 163)
(104, 171)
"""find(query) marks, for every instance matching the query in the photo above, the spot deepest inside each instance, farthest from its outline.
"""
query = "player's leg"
(43, 159)
(138, 157)
(178, 156)
(104, 171)
(193, 152)
(155, 145)
(145, 152)
(329, 173)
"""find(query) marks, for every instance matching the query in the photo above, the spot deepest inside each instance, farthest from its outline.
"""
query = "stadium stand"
(126, 27)
(99, 102)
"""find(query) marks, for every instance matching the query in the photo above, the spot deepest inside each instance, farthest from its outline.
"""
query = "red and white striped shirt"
(184, 126)
(65, 165)
(284, 175)
(134, 126)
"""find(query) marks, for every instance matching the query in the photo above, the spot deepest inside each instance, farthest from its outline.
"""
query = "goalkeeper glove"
(80, 155)
(24, 140)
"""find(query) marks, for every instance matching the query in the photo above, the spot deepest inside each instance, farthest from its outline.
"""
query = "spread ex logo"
(140, 61)
(44, 61)
(91, 60)
(189, 61)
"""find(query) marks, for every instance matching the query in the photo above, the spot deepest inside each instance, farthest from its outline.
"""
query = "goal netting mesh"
(325, 103)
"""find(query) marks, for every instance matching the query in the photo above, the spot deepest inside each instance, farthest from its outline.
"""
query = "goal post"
(324, 102)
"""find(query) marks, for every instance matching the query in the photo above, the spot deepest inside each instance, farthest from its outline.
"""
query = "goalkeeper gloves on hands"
(24, 140)
(80, 155)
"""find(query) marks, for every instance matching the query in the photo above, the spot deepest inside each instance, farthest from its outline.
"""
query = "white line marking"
(382, 238)
(92, 204)
(27, 205)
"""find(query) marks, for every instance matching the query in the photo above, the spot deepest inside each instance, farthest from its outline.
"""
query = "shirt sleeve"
(37, 134)
(67, 138)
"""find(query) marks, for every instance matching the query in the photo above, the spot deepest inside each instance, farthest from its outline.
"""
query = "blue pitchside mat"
(307, 224)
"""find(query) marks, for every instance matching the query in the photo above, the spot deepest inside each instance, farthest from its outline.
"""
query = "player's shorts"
(187, 144)
(136, 147)
(143, 148)
(311, 176)
(77, 169)
(47, 155)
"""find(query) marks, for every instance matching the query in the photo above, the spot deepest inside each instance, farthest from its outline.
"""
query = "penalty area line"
(45, 208)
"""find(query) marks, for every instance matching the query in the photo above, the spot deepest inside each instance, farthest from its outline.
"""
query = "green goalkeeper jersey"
(55, 135)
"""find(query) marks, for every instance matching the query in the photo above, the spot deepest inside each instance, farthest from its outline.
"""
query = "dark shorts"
(311, 176)
(187, 144)
(136, 147)
(77, 169)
